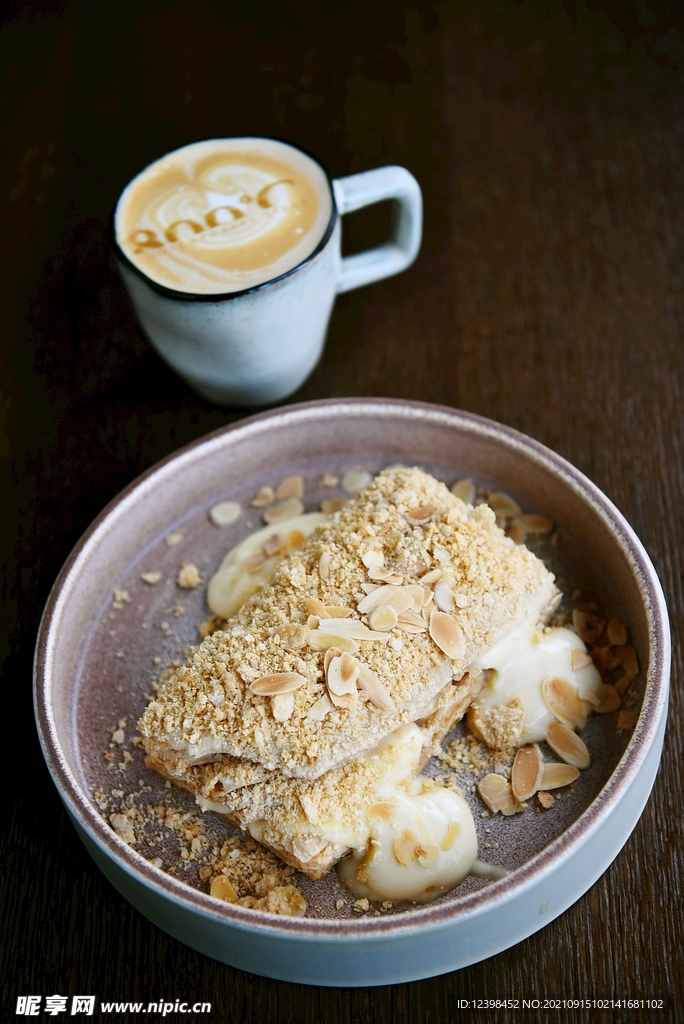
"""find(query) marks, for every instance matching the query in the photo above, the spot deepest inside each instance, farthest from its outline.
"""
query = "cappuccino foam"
(224, 215)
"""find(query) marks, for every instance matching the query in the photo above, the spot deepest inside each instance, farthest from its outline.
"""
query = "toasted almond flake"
(502, 502)
(610, 699)
(410, 627)
(622, 684)
(420, 595)
(532, 523)
(373, 559)
(188, 578)
(332, 652)
(324, 565)
(349, 669)
(626, 656)
(381, 595)
(465, 490)
(284, 510)
(278, 682)
(222, 889)
(337, 685)
(617, 634)
(339, 611)
(451, 835)
(255, 562)
(444, 597)
(320, 640)
(274, 544)
(557, 775)
(587, 625)
(498, 796)
(225, 513)
(379, 572)
(447, 634)
(568, 745)
(382, 809)
(564, 703)
(282, 706)
(368, 588)
(313, 622)
(173, 538)
(352, 628)
(291, 487)
(150, 577)
(332, 505)
(264, 496)
(516, 534)
(431, 577)
(422, 514)
(328, 480)
(370, 684)
(545, 799)
(579, 659)
(586, 694)
(383, 617)
(316, 607)
(602, 657)
(404, 848)
(413, 619)
(355, 480)
(627, 719)
(318, 711)
(527, 771)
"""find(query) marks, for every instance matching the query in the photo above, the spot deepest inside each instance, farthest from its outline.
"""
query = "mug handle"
(359, 190)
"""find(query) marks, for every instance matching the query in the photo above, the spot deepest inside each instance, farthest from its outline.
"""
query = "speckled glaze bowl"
(95, 661)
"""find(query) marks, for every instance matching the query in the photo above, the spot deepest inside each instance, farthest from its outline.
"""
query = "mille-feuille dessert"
(308, 717)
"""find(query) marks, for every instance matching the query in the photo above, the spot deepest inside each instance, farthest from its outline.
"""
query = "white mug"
(257, 346)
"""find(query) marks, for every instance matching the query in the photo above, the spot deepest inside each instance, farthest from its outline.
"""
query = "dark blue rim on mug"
(172, 293)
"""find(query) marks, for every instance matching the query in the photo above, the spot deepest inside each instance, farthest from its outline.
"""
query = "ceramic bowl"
(98, 652)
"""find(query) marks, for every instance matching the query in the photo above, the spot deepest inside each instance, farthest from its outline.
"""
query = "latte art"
(224, 215)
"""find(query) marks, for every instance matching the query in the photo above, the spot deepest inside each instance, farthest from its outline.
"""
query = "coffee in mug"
(230, 250)
(224, 215)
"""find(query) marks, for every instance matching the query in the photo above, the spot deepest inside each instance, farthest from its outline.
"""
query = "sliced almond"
(316, 607)
(626, 656)
(313, 622)
(264, 496)
(564, 703)
(320, 640)
(465, 490)
(447, 634)
(419, 594)
(225, 513)
(373, 559)
(627, 719)
(526, 773)
(617, 634)
(339, 611)
(349, 669)
(332, 505)
(381, 595)
(150, 578)
(587, 625)
(324, 565)
(431, 577)
(622, 685)
(557, 775)
(370, 684)
(337, 685)
(422, 514)
(355, 480)
(444, 597)
(610, 699)
(255, 563)
(499, 501)
(409, 627)
(532, 523)
(278, 682)
(352, 628)
(580, 659)
(404, 848)
(274, 544)
(382, 809)
(602, 658)
(516, 534)
(368, 588)
(451, 835)
(411, 618)
(383, 617)
(320, 709)
(222, 889)
(497, 794)
(588, 695)
(568, 745)
(284, 510)
(291, 487)
(332, 652)
(381, 573)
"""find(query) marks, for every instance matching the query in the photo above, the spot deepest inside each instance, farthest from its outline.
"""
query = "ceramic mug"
(257, 346)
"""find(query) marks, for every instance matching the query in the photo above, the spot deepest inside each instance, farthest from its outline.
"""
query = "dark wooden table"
(549, 142)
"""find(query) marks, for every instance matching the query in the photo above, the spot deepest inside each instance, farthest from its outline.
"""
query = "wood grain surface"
(549, 142)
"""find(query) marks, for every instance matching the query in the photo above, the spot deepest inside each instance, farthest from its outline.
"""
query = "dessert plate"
(118, 616)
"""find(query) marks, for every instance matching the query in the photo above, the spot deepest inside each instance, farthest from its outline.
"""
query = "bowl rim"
(499, 892)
